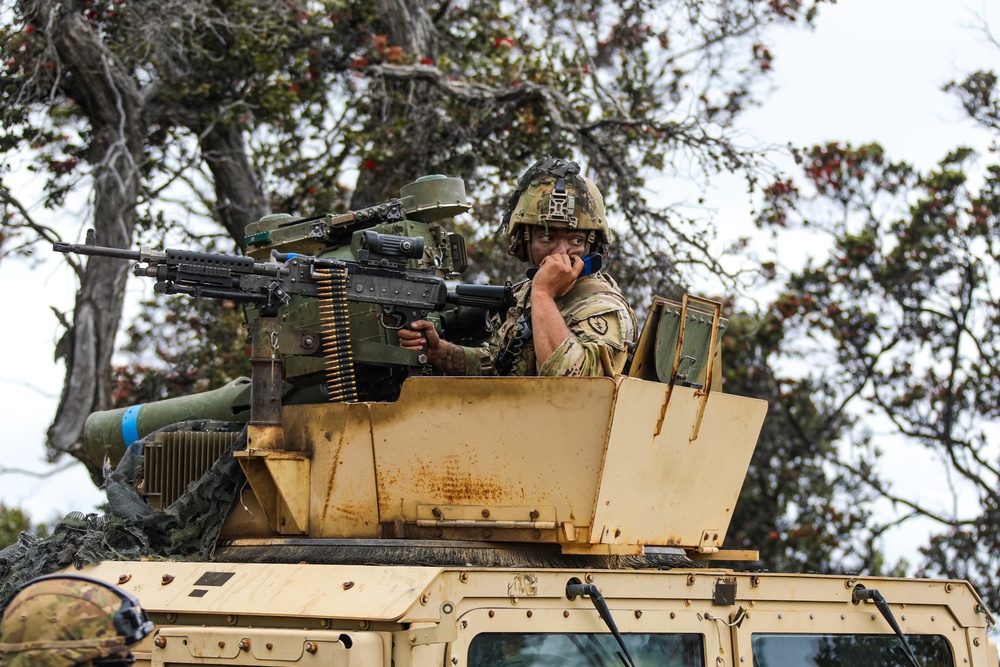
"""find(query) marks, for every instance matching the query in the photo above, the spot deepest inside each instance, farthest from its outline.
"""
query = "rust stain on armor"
(333, 474)
(453, 484)
(347, 510)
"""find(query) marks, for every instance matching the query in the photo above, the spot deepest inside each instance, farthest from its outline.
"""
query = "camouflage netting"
(130, 529)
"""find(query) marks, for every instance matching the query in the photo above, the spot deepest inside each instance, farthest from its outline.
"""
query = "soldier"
(565, 322)
(67, 620)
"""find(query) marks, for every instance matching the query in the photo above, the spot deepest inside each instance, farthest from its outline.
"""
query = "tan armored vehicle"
(499, 521)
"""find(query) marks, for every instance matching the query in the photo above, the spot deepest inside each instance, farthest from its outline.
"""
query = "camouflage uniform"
(600, 323)
(553, 200)
(553, 194)
(63, 622)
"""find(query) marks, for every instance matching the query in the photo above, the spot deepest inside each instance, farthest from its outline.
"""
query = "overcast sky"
(871, 71)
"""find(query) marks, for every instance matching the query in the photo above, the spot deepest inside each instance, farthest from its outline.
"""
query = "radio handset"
(592, 263)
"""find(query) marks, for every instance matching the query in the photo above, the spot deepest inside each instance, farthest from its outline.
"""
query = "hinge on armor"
(677, 341)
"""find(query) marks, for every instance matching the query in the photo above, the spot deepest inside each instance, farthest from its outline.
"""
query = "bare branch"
(28, 385)
(52, 472)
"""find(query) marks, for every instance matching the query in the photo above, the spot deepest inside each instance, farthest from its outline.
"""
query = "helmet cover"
(67, 620)
(552, 193)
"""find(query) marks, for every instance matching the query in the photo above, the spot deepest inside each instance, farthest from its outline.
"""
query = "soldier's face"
(555, 240)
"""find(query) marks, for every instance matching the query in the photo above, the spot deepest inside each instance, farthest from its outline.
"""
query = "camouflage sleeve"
(602, 321)
(479, 360)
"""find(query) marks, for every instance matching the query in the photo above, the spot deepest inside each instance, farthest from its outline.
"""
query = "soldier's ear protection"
(130, 620)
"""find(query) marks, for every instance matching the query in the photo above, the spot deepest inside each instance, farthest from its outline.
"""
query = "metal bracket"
(710, 360)
(280, 480)
(724, 592)
(483, 516)
(445, 631)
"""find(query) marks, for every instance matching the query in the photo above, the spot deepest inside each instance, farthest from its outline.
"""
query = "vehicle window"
(584, 650)
(773, 650)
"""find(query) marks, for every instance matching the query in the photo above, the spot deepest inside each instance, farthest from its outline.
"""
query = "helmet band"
(102, 642)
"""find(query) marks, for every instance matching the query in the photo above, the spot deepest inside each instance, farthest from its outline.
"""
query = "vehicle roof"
(416, 593)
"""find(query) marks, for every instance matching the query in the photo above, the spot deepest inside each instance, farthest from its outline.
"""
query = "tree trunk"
(239, 197)
(109, 98)
(409, 25)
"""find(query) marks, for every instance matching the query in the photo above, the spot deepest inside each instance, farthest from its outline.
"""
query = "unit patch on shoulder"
(598, 323)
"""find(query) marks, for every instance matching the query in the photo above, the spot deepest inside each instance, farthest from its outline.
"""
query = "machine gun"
(323, 296)
(380, 276)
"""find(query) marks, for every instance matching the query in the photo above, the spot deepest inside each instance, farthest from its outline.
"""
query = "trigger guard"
(391, 320)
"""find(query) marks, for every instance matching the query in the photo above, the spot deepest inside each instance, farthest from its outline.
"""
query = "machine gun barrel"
(91, 249)
(173, 265)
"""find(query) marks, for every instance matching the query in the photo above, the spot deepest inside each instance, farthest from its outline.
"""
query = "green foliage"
(794, 509)
(899, 322)
(980, 97)
(181, 346)
(334, 97)
(13, 522)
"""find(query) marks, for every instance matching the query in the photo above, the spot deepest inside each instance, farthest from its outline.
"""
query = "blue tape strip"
(130, 424)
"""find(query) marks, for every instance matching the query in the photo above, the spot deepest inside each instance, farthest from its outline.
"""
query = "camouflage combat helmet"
(552, 193)
(69, 620)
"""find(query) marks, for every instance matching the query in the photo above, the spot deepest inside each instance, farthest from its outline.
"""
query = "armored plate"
(595, 465)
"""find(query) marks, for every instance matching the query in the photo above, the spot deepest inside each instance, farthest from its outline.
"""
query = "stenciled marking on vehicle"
(523, 586)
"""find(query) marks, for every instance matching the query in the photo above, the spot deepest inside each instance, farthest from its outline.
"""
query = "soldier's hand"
(421, 336)
(557, 273)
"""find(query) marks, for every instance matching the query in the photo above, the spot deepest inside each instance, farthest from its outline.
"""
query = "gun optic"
(390, 245)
